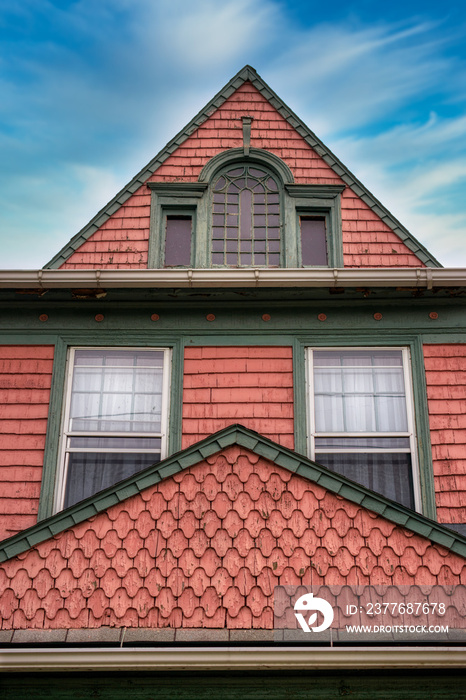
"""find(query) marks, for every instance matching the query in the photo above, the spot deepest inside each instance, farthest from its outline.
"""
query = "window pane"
(388, 357)
(358, 381)
(359, 414)
(355, 443)
(90, 472)
(87, 379)
(328, 381)
(123, 394)
(178, 240)
(388, 474)
(117, 443)
(391, 414)
(329, 414)
(373, 394)
(84, 412)
(116, 412)
(313, 241)
(120, 380)
(389, 380)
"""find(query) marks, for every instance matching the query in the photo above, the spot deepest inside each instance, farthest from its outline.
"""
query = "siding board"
(248, 385)
(446, 395)
(25, 379)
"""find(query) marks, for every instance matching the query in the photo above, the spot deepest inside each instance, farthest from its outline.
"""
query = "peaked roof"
(259, 445)
(245, 74)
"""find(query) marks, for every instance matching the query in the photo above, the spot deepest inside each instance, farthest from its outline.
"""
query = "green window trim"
(171, 198)
(56, 405)
(419, 396)
(317, 200)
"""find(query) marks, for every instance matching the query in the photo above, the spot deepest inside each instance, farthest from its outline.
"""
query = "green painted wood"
(300, 399)
(176, 396)
(317, 200)
(182, 200)
(421, 418)
(235, 310)
(52, 438)
(236, 155)
(249, 685)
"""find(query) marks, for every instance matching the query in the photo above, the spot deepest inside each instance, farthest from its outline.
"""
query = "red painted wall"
(248, 385)
(446, 392)
(122, 241)
(25, 378)
(206, 547)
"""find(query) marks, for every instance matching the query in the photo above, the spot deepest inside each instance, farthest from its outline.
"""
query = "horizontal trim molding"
(312, 191)
(179, 189)
(210, 658)
(244, 277)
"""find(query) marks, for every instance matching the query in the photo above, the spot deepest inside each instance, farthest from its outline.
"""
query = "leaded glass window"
(246, 218)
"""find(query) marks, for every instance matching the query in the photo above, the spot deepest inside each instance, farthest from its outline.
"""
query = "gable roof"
(245, 74)
(259, 445)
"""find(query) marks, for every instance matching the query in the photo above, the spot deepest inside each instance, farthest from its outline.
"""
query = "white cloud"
(344, 77)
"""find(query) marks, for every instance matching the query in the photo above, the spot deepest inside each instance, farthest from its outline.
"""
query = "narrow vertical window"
(178, 236)
(115, 419)
(246, 218)
(313, 241)
(361, 421)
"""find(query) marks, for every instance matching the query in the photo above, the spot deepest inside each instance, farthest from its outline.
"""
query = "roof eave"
(422, 277)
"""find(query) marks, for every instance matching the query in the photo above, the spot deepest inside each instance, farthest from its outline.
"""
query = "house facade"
(243, 375)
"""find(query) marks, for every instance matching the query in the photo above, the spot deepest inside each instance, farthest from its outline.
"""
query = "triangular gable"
(202, 539)
(332, 170)
(241, 437)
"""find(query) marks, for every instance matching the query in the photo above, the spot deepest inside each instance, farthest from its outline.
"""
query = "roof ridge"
(247, 73)
(244, 437)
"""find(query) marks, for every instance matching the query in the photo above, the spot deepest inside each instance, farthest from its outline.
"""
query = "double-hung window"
(115, 418)
(361, 418)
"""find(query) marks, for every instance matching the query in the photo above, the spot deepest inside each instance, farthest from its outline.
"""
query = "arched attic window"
(246, 222)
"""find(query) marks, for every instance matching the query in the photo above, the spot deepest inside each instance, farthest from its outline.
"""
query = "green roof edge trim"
(241, 436)
(245, 74)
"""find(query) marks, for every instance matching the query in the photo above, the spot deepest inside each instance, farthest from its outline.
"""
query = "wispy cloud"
(91, 91)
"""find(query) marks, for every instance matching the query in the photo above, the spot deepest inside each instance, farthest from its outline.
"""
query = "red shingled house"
(244, 373)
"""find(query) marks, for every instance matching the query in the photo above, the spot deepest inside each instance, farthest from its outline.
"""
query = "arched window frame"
(257, 223)
(296, 200)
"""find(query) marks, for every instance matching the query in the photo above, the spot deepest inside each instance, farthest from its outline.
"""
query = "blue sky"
(91, 90)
